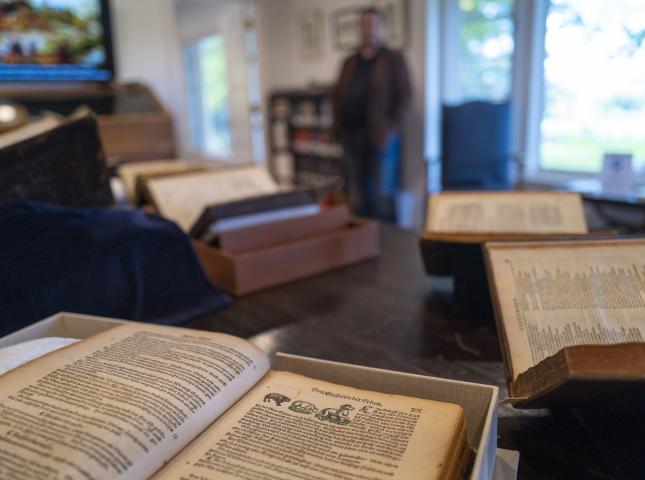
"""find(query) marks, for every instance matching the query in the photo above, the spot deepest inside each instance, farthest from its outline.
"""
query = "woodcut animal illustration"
(278, 398)
(335, 415)
(300, 406)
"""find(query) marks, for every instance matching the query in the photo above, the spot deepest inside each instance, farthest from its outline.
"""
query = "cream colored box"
(478, 401)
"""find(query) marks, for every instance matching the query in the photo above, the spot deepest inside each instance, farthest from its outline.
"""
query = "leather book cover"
(64, 165)
(247, 206)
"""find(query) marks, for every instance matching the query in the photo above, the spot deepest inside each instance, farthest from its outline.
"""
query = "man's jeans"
(372, 175)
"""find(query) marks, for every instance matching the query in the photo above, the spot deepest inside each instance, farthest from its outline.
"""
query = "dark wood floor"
(387, 313)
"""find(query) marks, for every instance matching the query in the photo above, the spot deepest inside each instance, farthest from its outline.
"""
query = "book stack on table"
(248, 232)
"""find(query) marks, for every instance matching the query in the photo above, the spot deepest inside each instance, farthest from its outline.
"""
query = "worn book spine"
(600, 371)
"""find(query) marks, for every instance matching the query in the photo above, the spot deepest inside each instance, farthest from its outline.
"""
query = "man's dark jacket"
(389, 95)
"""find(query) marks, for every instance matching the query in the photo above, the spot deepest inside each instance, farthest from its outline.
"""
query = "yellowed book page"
(183, 198)
(130, 172)
(290, 427)
(568, 293)
(507, 212)
(121, 403)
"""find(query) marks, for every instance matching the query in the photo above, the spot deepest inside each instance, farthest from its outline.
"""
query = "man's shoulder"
(351, 58)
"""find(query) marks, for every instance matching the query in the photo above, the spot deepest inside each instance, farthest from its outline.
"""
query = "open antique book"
(459, 223)
(509, 212)
(144, 401)
(183, 198)
(208, 202)
(136, 174)
(571, 318)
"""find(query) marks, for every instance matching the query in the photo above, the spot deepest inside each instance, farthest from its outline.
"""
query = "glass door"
(594, 84)
(223, 113)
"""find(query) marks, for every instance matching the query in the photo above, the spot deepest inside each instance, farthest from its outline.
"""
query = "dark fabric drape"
(119, 263)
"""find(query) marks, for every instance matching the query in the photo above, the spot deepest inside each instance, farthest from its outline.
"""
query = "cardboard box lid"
(506, 464)
(62, 324)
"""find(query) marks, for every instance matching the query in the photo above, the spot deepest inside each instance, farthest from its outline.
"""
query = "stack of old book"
(248, 232)
(459, 223)
(118, 399)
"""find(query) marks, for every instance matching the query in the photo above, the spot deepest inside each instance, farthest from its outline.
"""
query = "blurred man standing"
(370, 100)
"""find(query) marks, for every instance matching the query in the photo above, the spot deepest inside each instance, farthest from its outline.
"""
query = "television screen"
(55, 40)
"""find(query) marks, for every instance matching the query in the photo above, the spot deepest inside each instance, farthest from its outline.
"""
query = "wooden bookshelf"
(303, 151)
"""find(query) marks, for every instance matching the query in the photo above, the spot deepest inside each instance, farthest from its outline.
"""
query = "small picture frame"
(345, 28)
(345, 24)
(311, 34)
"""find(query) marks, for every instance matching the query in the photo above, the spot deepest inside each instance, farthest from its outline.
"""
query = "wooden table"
(387, 313)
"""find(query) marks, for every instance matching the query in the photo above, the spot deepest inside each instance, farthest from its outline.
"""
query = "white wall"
(284, 68)
(285, 64)
(144, 32)
(196, 19)
(148, 37)
(145, 48)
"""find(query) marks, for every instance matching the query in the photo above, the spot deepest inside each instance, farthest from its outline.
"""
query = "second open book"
(478, 216)
(141, 401)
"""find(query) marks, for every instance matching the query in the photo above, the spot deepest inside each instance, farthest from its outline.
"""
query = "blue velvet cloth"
(119, 263)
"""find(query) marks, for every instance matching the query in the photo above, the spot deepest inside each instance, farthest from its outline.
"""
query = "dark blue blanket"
(119, 263)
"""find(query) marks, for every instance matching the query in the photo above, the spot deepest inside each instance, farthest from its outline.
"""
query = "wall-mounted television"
(55, 41)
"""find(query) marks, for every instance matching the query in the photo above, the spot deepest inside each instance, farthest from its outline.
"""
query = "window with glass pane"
(594, 83)
(207, 83)
(485, 49)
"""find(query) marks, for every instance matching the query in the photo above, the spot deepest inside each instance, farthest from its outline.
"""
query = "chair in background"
(476, 146)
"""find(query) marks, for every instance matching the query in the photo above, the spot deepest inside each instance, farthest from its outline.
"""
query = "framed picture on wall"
(346, 29)
(310, 34)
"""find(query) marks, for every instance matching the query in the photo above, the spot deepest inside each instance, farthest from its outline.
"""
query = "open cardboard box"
(478, 401)
(263, 256)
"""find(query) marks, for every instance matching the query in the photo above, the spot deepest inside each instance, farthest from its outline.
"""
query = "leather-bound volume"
(61, 163)
(250, 206)
(570, 317)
